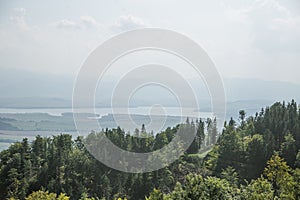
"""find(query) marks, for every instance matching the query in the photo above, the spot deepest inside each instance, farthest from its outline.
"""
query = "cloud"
(90, 22)
(18, 18)
(67, 24)
(128, 22)
(270, 9)
(252, 39)
(20, 11)
(84, 22)
(279, 33)
(273, 27)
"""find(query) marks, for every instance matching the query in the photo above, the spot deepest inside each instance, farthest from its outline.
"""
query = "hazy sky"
(253, 39)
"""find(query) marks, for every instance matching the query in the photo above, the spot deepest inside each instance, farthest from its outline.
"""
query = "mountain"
(249, 89)
(26, 89)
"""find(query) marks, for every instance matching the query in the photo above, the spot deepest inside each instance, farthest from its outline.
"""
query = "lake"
(105, 120)
(145, 110)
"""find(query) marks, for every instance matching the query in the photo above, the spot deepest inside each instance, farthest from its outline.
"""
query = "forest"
(253, 157)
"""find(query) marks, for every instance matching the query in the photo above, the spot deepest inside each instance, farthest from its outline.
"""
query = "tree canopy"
(255, 157)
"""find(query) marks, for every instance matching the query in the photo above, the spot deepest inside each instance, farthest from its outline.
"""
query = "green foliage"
(278, 182)
(297, 162)
(259, 189)
(41, 195)
(230, 175)
(255, 156)
(279, 175)
(288, 149)
(62, 165)
(156, 194)
(84, 196)
(258, 158)
(296, 176)
(197, 187)
(248, 151)
(249, 146)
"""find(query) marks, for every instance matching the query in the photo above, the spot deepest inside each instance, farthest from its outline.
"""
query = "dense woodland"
(254, 157)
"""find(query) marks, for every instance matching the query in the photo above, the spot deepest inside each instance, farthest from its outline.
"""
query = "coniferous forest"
(254, 157)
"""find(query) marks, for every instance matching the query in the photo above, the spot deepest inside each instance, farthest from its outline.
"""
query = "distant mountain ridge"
(24, 89)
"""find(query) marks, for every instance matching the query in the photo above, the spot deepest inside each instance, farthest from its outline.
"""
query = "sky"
(245, 39)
